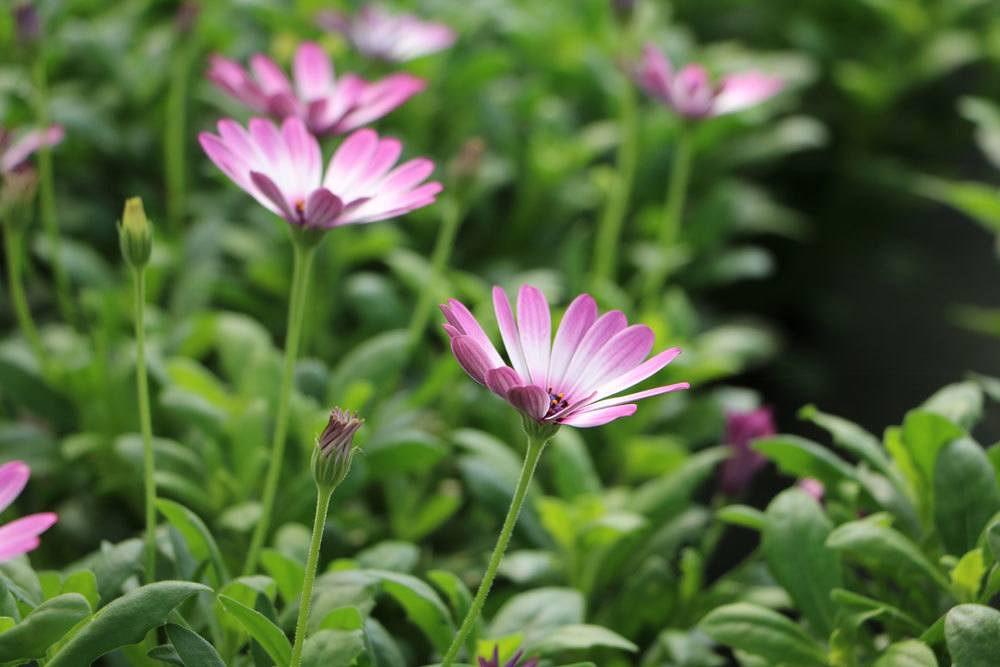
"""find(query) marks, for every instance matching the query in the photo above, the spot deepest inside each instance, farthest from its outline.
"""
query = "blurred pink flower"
(513, 662)
(691, 93)
(397, 38)
(813, 487)
(742, 428)
(282, 169)
(327, 105)
(21, 535)
(572, 380)
(14, 154)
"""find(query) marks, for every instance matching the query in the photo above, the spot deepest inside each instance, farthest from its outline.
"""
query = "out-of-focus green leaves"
(762, 632)
(973, 634)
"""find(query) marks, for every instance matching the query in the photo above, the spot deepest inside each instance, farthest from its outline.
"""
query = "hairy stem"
(319, 522)
(145, 422)
(303, 256)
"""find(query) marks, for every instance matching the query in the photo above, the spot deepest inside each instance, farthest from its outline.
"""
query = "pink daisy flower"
(21, 535)
(691, 93)
(742, 428)
(282, 169)
(575, 379)
(327, 104)
(397, 38)
(14, 154)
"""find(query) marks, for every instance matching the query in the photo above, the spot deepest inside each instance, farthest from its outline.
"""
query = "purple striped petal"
(606, 326)
(21, 536)
(637, 374)
(508, 331)
(459, 316)
(270, 77)
(502, 380)
(655, 73)
(13, 477)
(21, 150)
(322, 209)
(599, 417)
(577, 320)
(266, 187)
(629, 398)
(378, 99)
(620, 354)
(313, 71)
(471, 357)
(535, 327)
(350, 161)
(739, 91)
(529, 399)
(303, 152)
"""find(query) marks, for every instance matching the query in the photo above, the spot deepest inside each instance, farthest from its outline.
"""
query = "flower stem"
(535, 447)
(673, 208)
(611, 223)
(47, 193)
(451, 214)
(322, 505)
(174, 136)
(145, 421)
(302, 263)
(14, 246)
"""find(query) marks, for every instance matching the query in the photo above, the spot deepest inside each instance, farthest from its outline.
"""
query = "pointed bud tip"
(135, 234)
(331, 460)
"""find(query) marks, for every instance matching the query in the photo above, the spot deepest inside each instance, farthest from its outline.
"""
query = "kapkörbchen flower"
(575, 379)
(513, 662)
(21, 535)
(14, 154)
(691, 92)
(742, 428)
(377, 33)
(325, 103)
(282, 169)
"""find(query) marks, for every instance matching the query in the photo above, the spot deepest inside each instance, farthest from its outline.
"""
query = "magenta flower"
(21, 535)
(513, 662)
(691, 93)
(742, 428)
(326, 104)
(14, 154)
(573, 380)
(396, 38)
(282, 169)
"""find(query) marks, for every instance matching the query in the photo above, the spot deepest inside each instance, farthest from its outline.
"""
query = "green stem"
(607, 240)
(673, 208)
(145, 422)
(47, 194)
(174, 137)
(322, 505)
(303, 256)
(452, 214)
(14, 246)
(535, 447)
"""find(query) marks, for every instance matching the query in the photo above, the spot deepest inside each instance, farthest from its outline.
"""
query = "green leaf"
(794, 546)
(887, 549)
(85, 583)
(924, 434)
(423, 606)
(972, 632)
(124, 621)
(967, 575)
(382, 650)
(907, 653)
(762, 632)
(742, 515)
(804, 458)
(458, 595)
(874, 608)
(572, 469)
(192, 648)
(266, 633)
(391, 555)
(579, 637)
(669, 494)
(403, 451)
(851, 437)
(44, 626)
(535, 613)
(332, 648)
(199, 539)
(960, 403)
(966, 495)
(286, 572)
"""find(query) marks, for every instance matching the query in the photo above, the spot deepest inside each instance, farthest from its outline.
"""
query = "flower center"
(300, 206)
(557, 402)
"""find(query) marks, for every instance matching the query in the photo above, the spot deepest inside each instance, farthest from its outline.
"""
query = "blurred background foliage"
(825, 258)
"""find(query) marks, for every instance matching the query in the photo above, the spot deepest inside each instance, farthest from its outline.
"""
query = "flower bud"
(466, 164)
(27, 24)
(17, 193)
(135, 234)
(331, 460)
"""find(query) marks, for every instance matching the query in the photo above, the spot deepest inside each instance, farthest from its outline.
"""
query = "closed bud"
(135, 234)
(331, 459)
(16, 194)
(27, 24)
